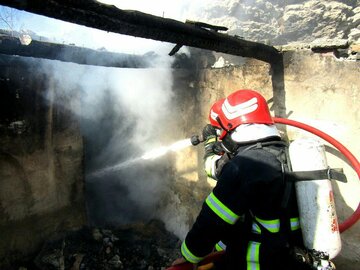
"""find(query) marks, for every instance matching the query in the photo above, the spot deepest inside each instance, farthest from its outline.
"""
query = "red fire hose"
(349, 156)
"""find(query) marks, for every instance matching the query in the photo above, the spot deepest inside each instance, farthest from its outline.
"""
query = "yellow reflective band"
(272, 226)
(210, 165)
(220, 246)
(211, 140)
(295, 223)
(188, 255)
(221, 210)
(252, 256)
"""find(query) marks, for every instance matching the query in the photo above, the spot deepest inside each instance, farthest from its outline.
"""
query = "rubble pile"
(137, 246)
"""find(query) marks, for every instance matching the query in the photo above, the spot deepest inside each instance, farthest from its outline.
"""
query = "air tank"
(316, 203)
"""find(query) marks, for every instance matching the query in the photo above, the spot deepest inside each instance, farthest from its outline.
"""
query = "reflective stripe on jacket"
(272, 226)
(221, 210)
(188, 255)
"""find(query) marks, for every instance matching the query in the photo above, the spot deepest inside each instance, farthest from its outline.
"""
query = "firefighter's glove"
(213, 148)
(209, 134)
(218, 149)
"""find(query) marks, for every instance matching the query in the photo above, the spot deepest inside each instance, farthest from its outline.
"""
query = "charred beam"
(67, 53)
(109, 18)
(175, 49)
(207, 26)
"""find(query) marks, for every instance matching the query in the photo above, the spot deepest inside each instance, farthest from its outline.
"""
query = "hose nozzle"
(196, 139)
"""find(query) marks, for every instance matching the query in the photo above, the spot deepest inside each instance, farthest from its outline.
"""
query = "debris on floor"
(137, 246)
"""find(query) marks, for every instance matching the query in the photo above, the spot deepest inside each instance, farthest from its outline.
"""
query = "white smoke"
(124, 113)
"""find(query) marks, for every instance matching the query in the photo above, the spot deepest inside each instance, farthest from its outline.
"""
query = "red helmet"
(244, 107)
(214, 112)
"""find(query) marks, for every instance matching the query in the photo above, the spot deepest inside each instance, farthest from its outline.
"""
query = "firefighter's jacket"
(246, 209)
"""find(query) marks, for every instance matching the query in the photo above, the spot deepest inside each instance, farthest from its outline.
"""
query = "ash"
(137, 246)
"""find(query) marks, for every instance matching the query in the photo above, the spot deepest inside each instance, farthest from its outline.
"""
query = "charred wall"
(41, 161)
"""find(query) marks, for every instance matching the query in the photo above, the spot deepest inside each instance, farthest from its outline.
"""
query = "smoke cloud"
(123, 114)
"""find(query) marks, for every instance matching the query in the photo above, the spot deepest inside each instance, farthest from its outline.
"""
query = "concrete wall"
(319, 90)
(41, 161)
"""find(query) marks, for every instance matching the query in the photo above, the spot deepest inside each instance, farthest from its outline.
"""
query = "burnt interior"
(24, 124)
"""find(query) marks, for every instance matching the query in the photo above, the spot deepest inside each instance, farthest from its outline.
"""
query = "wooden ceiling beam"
(134, 23)
(68, 53)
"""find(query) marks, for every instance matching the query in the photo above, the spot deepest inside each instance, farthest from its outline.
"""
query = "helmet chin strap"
(226, 130)
(221, 124)
(227, 143)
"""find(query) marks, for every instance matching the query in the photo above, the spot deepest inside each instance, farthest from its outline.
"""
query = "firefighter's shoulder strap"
(289, 176)
(329, 173)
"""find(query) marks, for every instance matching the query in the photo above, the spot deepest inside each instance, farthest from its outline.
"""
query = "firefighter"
(251, 198)
(214, 157)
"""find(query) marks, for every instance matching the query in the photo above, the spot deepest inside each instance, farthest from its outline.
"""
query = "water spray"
(150, 155)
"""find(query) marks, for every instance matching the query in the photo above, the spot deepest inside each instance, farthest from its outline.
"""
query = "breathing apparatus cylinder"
(316, 204)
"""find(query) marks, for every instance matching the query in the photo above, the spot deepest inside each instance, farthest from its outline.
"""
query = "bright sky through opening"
(68, 33)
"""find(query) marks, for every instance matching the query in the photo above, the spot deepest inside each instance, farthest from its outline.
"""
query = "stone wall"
(41, 162)
(320, 90)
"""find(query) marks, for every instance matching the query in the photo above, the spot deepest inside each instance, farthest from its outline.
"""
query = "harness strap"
(327, 174)
(262, 144)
